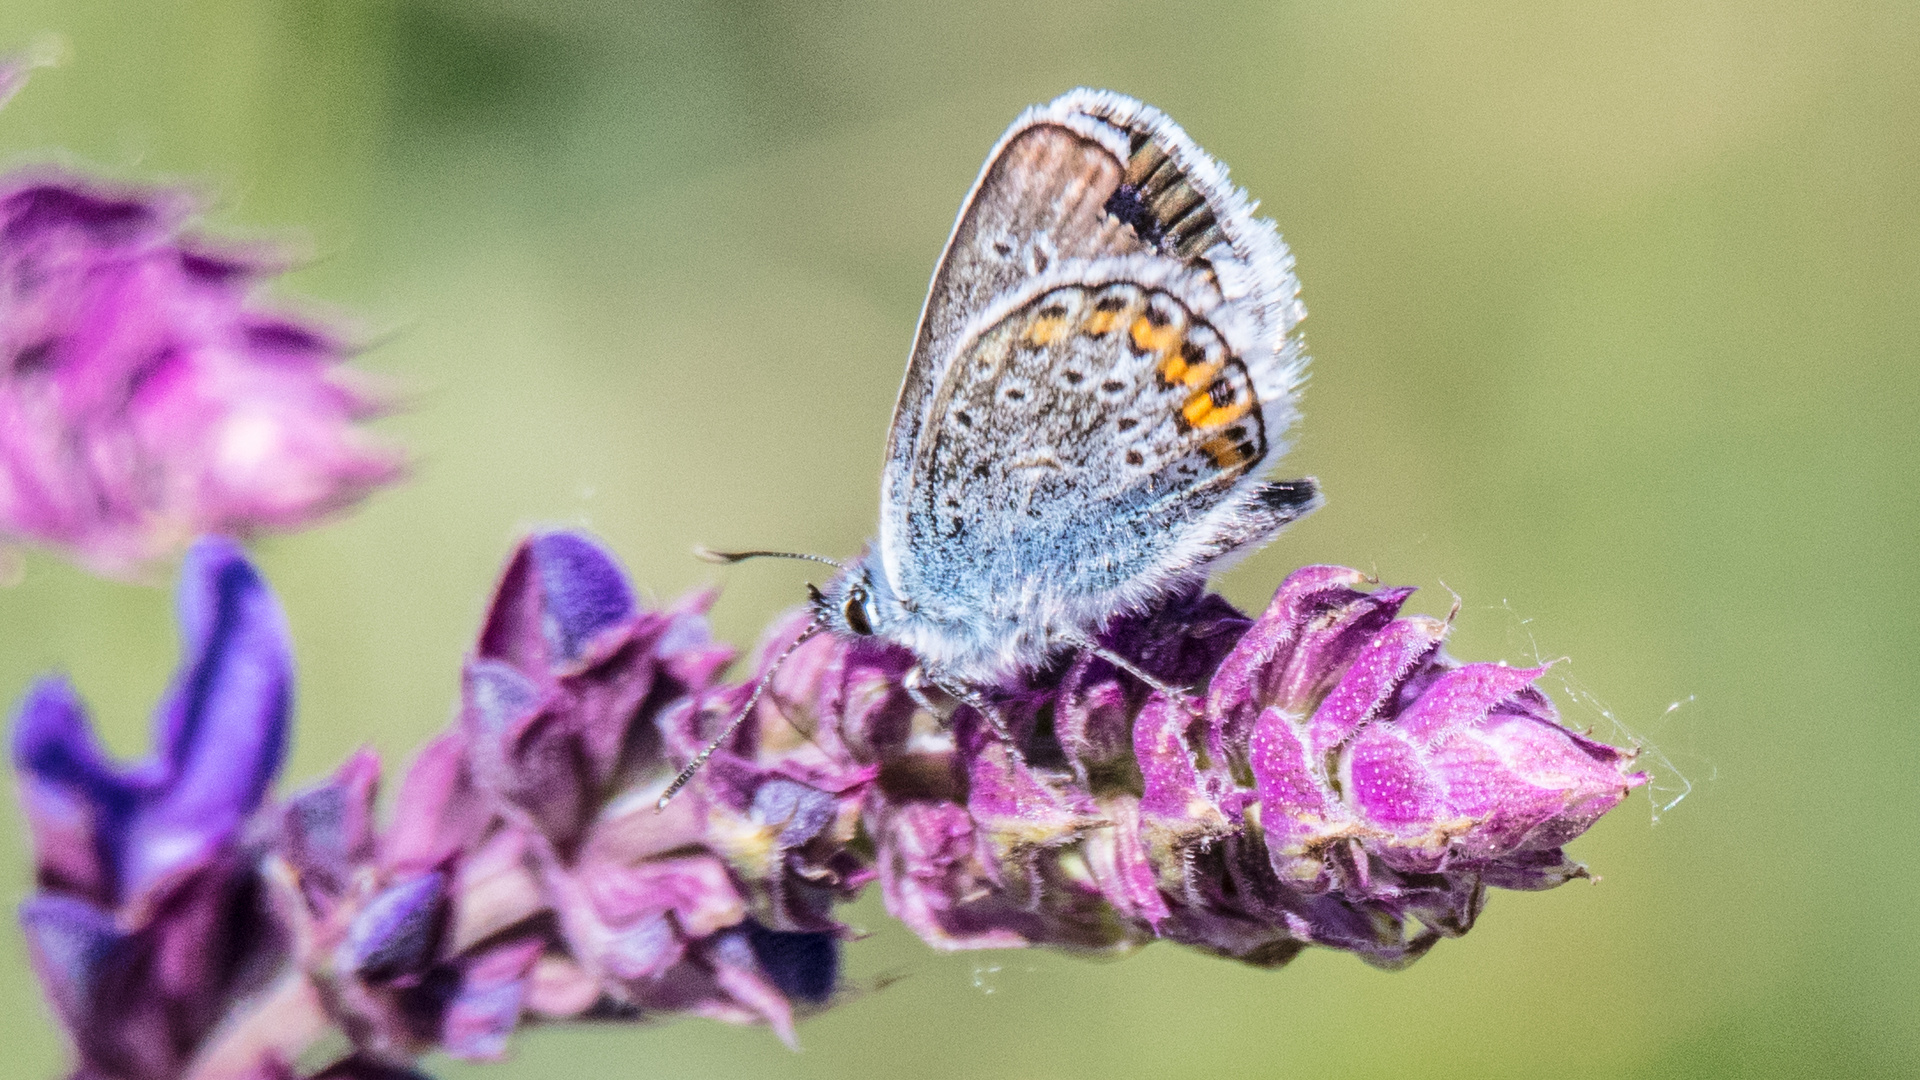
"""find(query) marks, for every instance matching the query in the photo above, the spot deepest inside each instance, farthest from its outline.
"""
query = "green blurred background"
(1614, 312)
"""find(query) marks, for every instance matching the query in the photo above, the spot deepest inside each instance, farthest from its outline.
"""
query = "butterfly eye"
(856, 612)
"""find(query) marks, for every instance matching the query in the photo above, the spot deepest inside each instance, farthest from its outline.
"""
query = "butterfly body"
(1106, 367)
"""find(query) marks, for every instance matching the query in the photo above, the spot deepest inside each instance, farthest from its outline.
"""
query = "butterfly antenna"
(759, 687)
(728, 558)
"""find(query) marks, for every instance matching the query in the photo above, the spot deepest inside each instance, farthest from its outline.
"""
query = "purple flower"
(1338, 782)
(530, 876)
(148, 924)
(1341, 783)
(144, 397)
(574, 700)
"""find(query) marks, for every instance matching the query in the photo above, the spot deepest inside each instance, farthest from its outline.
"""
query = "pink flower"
(1340, 783)
(145, 398)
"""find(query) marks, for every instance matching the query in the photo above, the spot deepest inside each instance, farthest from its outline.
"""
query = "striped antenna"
(728, 558)
(759, 687)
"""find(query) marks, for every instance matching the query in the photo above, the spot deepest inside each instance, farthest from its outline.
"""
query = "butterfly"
(1106, 366)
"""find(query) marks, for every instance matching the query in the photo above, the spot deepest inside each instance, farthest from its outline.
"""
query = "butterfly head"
(858, 602)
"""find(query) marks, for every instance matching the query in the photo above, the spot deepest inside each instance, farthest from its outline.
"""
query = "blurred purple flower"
(148, 924)
(144, 397)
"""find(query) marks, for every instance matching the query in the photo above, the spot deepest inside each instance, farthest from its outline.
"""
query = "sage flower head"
(1339, 781)
(1331, 778)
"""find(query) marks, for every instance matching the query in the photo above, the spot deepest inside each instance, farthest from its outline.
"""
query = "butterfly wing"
(1105, 366)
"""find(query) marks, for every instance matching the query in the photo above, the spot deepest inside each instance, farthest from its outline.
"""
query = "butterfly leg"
(1180, 696)
(995, 720)
(916, 683)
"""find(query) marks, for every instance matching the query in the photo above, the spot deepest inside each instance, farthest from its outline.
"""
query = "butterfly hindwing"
(1041, 198)
(1073, 437)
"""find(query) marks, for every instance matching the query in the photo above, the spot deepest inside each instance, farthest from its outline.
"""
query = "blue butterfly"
(1105, 369)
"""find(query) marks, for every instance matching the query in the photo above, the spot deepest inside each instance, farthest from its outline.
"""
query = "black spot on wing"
(1126, 204)
(1290, 496)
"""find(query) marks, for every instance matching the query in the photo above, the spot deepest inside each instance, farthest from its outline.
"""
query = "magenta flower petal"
(1389, 782)
(1372, 682)
(1297, 813)
(145, 397)
(522, 749)
(1122, 867)
(1462, 778)
(1328, 643)
(1463, 695)
(559, 591)
(446, 811)
(1176, 810)
(329, 829)
(932, 879)
(1015, 808)
(485, 1010)
(585, 591)
(1247, 673)
(1093, 719)
(696, 890)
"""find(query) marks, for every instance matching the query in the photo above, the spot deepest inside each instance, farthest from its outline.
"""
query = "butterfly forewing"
(1040, 199)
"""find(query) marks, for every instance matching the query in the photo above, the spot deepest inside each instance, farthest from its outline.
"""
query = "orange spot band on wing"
(1223, 451)
(1201, 412)
(1201, 375)
(1156, 339)
(1101, 322)
(1045, 330)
